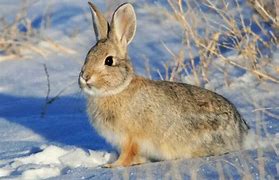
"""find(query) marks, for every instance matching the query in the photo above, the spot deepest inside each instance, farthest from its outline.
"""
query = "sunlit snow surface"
(63, 145)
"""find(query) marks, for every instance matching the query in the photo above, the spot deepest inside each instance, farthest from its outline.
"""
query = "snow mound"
(51, 160)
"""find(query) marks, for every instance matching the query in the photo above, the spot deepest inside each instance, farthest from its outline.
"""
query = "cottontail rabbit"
(148, 119)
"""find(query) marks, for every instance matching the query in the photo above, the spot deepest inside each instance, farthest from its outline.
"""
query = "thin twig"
(49, 100)
(43, 113)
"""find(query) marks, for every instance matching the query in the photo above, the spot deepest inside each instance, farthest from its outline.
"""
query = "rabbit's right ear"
(100, 23)
(123, 25)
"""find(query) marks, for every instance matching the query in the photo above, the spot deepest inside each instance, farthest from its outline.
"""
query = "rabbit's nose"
(84, 76)
(83, 79)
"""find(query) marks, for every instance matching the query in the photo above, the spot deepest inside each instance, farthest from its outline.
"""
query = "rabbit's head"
(107, 69)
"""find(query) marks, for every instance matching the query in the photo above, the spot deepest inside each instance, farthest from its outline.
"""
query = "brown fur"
(148, 119)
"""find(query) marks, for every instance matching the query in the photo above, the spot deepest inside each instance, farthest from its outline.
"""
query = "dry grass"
(268, 10)
(217, 23)
(15, 41)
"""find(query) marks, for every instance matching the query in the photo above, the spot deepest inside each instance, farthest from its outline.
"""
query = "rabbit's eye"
(109, 61)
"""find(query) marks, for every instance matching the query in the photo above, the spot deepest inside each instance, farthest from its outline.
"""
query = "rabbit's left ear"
(123, 25)
(100, 23)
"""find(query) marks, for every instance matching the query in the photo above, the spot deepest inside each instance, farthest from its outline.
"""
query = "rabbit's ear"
(123, 25)
(100, 23)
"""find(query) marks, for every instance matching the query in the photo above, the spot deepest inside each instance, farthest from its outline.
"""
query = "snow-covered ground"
(56, 141)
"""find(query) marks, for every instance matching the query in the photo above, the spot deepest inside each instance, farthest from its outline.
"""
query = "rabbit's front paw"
(137, 160)
(110, 165)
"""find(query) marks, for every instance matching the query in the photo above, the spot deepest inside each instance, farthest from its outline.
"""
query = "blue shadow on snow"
(65, 121)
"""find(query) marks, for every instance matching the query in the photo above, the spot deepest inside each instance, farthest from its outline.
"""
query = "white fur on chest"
(104, 127)
(114, 137)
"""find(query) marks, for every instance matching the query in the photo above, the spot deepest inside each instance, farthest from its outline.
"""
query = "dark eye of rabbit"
(109, 61)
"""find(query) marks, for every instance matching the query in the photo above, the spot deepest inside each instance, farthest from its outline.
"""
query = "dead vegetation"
(224, 28)
(19, 38)
(268, 10)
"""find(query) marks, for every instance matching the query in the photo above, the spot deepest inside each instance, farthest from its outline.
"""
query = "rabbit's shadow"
(65, 121)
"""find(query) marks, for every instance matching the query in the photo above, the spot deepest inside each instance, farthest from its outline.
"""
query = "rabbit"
(147, 120)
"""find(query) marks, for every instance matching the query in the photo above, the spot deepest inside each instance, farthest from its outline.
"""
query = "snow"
(41, 173)
(61, 144)
(51, 160)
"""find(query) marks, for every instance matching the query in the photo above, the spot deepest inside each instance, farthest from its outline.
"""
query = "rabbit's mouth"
(88, 87)
(85, 86)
